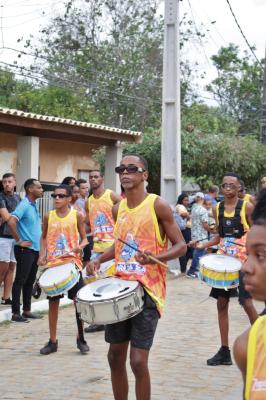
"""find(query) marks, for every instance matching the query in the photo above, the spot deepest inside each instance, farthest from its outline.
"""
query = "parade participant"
(25, 226)
(99, 215)
(62, 228)
(74, 197)
(233, 218)
(8, 203)
(242, 194)
(250, 347)
(145, 220)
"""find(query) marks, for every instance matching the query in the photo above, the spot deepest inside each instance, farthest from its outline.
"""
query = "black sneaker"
(6, 302)
(222, 357)
(18, 318)
(94, 328)
(82, 346)
(49, 348)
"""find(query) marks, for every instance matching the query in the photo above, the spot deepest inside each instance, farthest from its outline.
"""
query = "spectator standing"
(69, 180)
(213, 192)
(263, 182)
(25, 226)
(183, 201)
(199, 231)
(8, 203)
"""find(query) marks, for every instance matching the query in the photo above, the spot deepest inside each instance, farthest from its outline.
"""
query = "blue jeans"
(195, 260)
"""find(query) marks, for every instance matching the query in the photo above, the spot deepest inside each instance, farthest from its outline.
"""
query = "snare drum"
(220, 271)
(110, 300)
(58, 280)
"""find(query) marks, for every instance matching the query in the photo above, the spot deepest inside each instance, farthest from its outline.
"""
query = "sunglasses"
(131, 169)
(59, 195)
(229, 186)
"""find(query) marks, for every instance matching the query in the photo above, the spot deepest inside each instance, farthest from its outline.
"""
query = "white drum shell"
(110, 310)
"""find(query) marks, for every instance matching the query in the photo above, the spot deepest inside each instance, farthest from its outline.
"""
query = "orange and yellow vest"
(139, 227)
(62, 237)
(101, 220)
(255, 388)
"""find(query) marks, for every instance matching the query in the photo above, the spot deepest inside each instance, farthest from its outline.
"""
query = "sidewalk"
(187, 335)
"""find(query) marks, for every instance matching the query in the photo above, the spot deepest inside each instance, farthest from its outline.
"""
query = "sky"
(20, 18)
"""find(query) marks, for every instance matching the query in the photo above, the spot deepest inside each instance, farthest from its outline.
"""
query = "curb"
(42, 305)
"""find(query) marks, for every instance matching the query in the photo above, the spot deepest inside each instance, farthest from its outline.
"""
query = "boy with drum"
(145, 221)
(249, 348)
(62, 239)
(233, 218)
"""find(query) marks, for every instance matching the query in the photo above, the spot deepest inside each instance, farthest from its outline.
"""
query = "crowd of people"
(82, 229)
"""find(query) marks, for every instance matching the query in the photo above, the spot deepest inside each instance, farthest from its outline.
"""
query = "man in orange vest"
(147, 220)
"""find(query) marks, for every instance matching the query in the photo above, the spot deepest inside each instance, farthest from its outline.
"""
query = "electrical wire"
(242, 33)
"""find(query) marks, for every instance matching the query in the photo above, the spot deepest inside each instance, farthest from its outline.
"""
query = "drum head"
(105, 289)
(220, 263)
(57, 274)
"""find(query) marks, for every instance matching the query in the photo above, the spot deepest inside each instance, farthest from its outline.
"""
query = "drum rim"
(62, 280)
(79, 300)
(224, 255)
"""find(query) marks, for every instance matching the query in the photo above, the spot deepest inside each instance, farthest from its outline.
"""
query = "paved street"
(186, 337)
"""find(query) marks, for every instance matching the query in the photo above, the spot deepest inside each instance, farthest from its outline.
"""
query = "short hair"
(29, 182)
(67, 188)
(213, 189)
(141, 159)
(263, 179)
(96, 170)
(80, 181)
(233, 174)
(259, 212)
(67, 180)
(8, 175)
(242, 183)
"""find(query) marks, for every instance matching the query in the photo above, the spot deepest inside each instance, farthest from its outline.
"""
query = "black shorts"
(241, 292)
(139, 330)
(71, 294)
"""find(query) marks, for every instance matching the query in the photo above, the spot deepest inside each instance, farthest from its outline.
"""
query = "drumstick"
(138, 250)
(237, 244)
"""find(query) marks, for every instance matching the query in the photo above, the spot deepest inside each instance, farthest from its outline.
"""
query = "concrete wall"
(60, 159)
(57, 158)
(8, 153)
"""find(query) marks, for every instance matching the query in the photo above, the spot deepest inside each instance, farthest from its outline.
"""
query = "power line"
(198, 34)
(242, 33)
(72, 65)
(40, 77)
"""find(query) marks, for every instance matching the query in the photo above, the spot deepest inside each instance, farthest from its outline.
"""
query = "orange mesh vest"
(101, 220)
(256, 361)
(62, 236)
(139, 227)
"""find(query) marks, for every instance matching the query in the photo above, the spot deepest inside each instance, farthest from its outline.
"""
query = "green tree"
(238, 87)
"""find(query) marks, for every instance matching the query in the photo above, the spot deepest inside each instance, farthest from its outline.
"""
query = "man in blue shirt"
(25, 226)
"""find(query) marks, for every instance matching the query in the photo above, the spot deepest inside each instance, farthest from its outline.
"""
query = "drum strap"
(79, 325)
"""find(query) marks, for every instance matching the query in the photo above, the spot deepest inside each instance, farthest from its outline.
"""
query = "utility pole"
(263, 108)
(171, 127)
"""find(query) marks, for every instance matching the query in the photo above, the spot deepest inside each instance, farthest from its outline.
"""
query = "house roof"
(45, 126)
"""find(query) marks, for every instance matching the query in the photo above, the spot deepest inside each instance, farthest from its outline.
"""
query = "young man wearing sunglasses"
(63, 237)
(233, 218)
(99, 215)
(146, 221)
